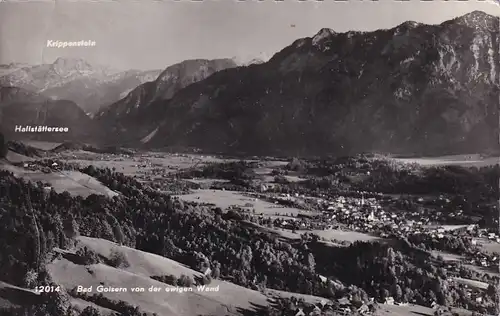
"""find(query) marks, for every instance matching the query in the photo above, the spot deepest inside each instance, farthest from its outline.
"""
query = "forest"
(35, 220)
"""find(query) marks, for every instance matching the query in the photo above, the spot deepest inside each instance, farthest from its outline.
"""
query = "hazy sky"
(154, 34)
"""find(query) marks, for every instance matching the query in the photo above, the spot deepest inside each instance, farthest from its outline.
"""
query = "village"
(370, 216)
(430, 223)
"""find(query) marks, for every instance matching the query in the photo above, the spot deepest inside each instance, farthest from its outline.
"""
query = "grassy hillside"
(144, 237)
(73, 182)
(141, 266)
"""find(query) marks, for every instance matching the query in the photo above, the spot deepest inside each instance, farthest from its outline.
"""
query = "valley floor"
(229, 299)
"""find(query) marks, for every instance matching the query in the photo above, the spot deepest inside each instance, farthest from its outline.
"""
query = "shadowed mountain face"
(19, 107)
(126, 112)
(413, 89)
(90, 87)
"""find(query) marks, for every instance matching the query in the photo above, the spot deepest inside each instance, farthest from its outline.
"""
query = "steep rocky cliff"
(412, 89)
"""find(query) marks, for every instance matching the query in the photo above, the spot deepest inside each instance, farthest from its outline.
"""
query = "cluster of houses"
(368, 215)
(485, 260)
(358, 214)
(39, 167)
(342, 306)
(345, 306)
(485, 234)
(473, 293)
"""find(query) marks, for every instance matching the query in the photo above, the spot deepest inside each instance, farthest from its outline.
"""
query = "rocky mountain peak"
(478, 19)
(408, 25)
(64, 66)
(322, 35)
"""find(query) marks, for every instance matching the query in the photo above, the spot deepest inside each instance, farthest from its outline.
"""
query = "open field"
(350, 236)
(127, 167)
(340, 235)
(283, 233)
(413, 310)
(41, 144)
(409, 310)
(308, 298)
(489, 245)
(74, 182)
(265, 172)
(141, 263)
(472, 283)
(178, 161)
(225, 199)
(206, 181)
(137, 165)
(473, 160)
(80, 183)
(15, 157)
(449, 257)
(446, 227)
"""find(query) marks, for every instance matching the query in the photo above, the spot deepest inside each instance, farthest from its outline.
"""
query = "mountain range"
(127, 111)
(414, 89)
(89, 86)
(26, 95)
(20, 107)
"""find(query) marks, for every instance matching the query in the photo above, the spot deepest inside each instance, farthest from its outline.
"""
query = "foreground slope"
(413, 89)
(141, 266)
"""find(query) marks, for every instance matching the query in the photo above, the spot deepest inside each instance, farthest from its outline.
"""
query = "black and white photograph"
(249, 158)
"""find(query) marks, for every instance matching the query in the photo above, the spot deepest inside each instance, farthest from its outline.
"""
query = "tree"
(118, 259)
(71, 227)
(3, 146)
(90, 311)
(205, 280)
(384, 293)
(311, 263)
(56, 303)
(185, 281)
(216, 271)
(492, 290)
(30, 279)
(87, 256)
(398, 293)
(118, 233)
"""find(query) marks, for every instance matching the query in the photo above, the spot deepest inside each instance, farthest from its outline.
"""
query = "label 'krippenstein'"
(64, 44)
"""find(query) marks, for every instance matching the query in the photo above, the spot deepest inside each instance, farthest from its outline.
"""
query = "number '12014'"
(47, 289)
